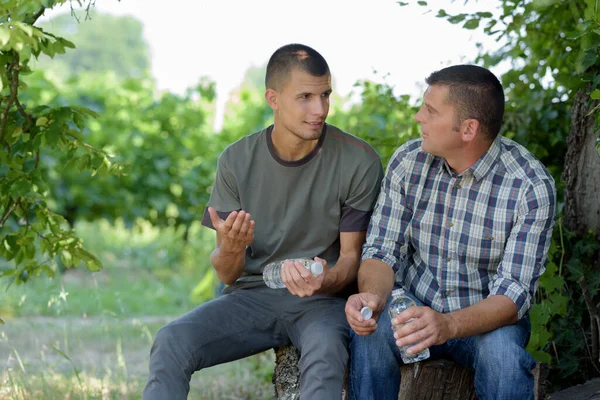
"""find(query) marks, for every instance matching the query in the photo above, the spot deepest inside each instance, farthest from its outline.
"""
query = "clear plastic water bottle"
(272, 271)
(400, 302)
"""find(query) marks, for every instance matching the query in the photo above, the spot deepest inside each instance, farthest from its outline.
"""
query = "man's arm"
(375, 282)
(430, 327)
(385, 237)
(233, 235)
(346, 268)
(300, 282)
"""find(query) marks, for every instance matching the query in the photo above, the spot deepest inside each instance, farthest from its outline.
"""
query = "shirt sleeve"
(357, 209)
(526, 250)
(224, 196)
(391, 218)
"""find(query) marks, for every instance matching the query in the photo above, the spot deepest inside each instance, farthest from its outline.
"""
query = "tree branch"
(27, 117)
(9, 209)
(13, 69)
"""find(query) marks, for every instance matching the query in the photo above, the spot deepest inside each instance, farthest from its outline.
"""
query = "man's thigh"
(231, 327)
(319, 318)
(465, 351)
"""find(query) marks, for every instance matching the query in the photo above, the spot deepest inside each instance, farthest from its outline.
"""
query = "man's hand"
(356, 320)
(299, 280)
(428, 327)
(236, 232)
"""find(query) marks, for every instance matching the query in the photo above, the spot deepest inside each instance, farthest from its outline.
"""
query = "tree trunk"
(427, 380)
(582, 169)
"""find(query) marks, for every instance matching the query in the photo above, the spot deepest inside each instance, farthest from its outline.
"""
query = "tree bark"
(428, 380)
(582, 169)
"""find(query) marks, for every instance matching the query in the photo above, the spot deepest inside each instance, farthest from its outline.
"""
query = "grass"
(86, 335)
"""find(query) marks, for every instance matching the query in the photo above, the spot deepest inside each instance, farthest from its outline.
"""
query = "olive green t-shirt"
(299, 207)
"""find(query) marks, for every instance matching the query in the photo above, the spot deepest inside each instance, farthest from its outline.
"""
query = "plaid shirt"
(454, 240)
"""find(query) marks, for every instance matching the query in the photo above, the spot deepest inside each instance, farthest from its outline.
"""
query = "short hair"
(476, 93)
(291, 56)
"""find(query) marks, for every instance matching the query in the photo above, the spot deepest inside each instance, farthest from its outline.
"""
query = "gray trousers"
(247, 321)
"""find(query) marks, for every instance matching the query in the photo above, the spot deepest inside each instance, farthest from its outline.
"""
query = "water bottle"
(272, 271)
(400, 302)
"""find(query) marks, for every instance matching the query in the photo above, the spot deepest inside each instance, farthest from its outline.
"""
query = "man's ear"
(470, 129)
(272, 98)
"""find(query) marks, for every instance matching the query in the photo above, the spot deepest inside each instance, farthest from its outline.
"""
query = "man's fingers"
(245, 225)
(237, 223)
(214, 217)
(229, 221)
(250, 233)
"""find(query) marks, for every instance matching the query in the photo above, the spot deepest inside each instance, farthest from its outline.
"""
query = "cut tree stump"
(427, 380)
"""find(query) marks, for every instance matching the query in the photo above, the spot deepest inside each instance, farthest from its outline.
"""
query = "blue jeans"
(501, 363)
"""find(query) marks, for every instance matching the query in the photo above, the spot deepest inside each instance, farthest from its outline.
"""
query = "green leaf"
(67, 43)
(595, 95)
(401, 3)
(67, 258)
(542, 356)
(471, 24)
(41, 121)
(4, 36)
(455, 19)
(422, 3)
(590, 59)
(2, 322)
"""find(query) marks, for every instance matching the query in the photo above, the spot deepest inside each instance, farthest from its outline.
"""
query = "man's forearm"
(343, 274)
(485, 316)
(375, 276)
(228, 265)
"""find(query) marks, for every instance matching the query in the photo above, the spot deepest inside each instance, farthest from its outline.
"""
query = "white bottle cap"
(366, 312)
(316, 268)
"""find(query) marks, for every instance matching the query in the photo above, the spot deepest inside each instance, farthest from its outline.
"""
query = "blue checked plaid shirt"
(454, 240)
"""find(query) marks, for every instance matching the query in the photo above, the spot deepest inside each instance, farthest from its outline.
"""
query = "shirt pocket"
(484, 247)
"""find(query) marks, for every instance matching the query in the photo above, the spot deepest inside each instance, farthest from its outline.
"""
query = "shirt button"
(451, 224)
(448, 259)
(458, 186)
(447, 293)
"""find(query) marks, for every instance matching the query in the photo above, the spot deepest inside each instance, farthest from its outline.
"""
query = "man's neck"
(290, 147)
(466, 157)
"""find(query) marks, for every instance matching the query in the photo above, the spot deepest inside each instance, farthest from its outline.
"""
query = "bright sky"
(223, 38)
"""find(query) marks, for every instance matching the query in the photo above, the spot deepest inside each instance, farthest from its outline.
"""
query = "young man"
(299, 188)
(464, 220)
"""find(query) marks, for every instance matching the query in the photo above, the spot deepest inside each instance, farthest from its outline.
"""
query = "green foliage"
(136, 155)
(31, 235)
(246, 110)
(381, 118)
(104, 43)
(165, 141)
(148, 271)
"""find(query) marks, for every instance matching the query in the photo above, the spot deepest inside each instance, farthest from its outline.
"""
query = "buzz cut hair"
(292, 56)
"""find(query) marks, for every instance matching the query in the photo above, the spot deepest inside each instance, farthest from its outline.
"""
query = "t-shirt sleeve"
(225, 194)
(357, 209)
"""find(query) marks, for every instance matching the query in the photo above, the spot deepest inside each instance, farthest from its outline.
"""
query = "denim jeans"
(502, 365)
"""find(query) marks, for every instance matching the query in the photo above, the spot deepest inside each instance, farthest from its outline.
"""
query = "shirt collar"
(485, 164)
(481, 167)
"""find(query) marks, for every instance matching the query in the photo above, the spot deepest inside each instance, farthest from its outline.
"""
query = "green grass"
(107, 358)
(85, 335)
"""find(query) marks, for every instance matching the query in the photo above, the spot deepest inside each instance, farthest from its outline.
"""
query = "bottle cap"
(366, 312)
(316, 268)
